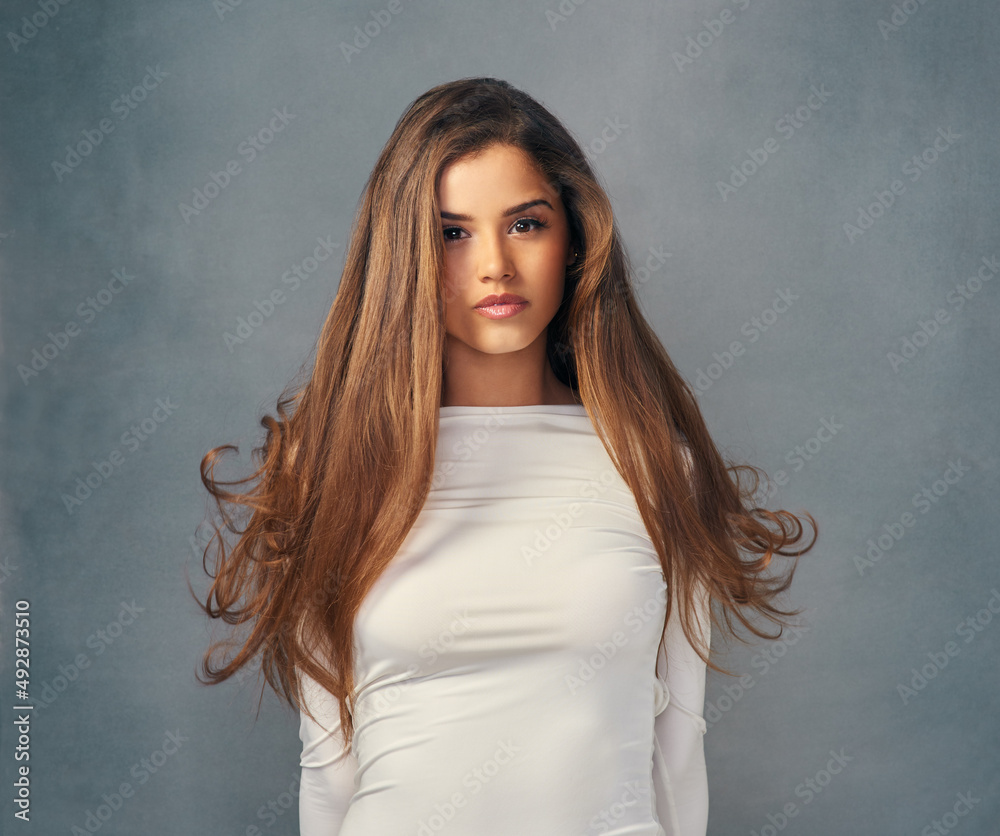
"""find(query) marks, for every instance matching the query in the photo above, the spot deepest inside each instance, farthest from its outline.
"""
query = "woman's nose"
(494, 258)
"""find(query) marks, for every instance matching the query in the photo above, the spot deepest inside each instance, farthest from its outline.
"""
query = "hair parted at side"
(346, 463)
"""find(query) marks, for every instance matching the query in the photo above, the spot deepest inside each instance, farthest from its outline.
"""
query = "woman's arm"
(680, 780)
(327, 769)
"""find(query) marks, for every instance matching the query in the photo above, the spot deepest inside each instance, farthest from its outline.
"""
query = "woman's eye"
(527, 224)
(521, 225)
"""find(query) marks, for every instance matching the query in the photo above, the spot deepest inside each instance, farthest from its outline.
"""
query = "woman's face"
(505, 231)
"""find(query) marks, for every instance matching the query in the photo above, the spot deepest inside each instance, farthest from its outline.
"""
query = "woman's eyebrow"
(453, 216)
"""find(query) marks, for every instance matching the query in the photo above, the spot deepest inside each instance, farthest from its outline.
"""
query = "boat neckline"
(526, 409)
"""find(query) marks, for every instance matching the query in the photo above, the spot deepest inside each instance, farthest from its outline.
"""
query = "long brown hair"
(347, 461)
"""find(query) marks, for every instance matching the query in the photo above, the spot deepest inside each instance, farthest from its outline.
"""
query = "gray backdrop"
(811, 191)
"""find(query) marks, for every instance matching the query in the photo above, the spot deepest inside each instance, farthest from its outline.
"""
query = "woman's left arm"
(680, 779)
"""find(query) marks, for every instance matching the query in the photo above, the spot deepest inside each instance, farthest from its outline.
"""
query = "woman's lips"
(502, 305)
(501, 311)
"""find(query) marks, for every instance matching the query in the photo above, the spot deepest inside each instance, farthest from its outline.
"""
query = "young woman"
(488, 536)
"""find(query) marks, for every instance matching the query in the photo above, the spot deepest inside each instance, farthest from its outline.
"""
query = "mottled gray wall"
(743, 142)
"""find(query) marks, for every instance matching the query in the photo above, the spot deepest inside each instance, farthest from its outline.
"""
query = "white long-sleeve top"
(504, 662)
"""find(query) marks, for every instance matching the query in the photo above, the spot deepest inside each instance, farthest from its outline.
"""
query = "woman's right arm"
(327, 769)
